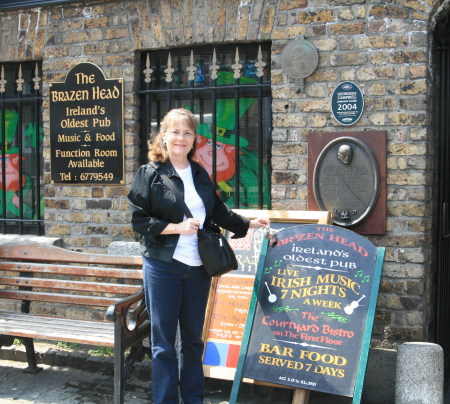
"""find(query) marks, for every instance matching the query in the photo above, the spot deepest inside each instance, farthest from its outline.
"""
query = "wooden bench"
(94, 299)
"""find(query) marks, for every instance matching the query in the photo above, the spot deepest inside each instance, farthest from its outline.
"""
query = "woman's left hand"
(260, 222)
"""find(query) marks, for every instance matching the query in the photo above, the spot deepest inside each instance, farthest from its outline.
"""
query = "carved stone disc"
(299, 58)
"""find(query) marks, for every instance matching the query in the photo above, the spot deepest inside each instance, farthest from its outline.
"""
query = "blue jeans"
(176, 296)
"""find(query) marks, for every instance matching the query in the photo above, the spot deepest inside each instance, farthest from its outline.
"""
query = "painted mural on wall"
(13, 183)
(226, 150)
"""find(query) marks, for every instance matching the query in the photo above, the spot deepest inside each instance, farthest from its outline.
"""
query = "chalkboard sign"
(231, 294)
(86, 128)
(311, 315)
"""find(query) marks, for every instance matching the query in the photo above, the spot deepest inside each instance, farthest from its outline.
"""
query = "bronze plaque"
(86, 128)
(348, 178)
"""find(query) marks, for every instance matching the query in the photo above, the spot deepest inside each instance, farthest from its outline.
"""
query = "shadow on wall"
(379, 383)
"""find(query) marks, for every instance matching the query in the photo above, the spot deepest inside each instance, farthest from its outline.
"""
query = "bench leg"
(137, 354)
(119, 383)
(123, 368)
(8, 340)
(31, 356)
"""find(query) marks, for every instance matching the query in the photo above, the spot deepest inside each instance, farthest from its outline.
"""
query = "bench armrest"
(123, 306)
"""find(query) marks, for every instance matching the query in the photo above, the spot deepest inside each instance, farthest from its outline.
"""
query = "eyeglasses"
(186, 134)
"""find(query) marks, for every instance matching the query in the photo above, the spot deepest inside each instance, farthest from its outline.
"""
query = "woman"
(176, 285)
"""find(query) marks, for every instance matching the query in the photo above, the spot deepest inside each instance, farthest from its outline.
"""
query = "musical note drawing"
(358, 273)
(277, 263)
(366, 279)
(272, 297)
(353, 305)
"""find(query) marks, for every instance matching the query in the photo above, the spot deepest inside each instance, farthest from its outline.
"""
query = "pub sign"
(311, 318)
(86, 128)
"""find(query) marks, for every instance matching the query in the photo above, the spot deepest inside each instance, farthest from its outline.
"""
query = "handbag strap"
(178, 197)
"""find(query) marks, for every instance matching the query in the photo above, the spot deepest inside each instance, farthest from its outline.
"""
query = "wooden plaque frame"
(375, 223)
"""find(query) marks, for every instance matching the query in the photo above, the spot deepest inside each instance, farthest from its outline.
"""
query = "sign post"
(311, 315)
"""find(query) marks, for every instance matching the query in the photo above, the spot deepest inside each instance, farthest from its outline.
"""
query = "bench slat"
(99, 326)
(70, 285)
(57, 329)
(57, 298)
(10, 316)
(100, 272)
(40, 252)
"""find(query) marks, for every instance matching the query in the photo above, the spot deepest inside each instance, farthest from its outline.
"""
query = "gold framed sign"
(86, 128)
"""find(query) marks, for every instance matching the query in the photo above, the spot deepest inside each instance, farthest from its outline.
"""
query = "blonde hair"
(157, 149)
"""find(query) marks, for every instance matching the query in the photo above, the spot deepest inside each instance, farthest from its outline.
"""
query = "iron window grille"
(21, 134)
(228, 88)
(11, 4)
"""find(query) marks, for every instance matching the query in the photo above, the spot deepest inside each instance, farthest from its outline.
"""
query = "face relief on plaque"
(345, 154)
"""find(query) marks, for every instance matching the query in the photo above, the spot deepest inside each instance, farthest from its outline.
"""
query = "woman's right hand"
(188, 226)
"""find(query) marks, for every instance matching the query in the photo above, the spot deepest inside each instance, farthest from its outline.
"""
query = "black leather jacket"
(153, 207)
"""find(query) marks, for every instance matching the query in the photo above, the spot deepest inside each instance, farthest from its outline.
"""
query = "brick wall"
(382, 46)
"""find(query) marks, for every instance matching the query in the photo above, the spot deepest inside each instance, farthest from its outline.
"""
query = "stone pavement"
(89, 380)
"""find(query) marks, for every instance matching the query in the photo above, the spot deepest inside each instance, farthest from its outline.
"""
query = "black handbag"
(216, 254)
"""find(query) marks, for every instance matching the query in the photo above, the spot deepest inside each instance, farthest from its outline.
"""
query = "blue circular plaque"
(347, 103)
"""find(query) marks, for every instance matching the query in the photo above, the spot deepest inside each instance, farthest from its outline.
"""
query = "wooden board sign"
(86, 128)
(231, 294)
(311, 315)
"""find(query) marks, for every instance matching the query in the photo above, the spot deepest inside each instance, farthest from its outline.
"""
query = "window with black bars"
(21, 134)
(228, 88)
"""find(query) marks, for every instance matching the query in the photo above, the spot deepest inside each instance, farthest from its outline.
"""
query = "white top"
(187, 247)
